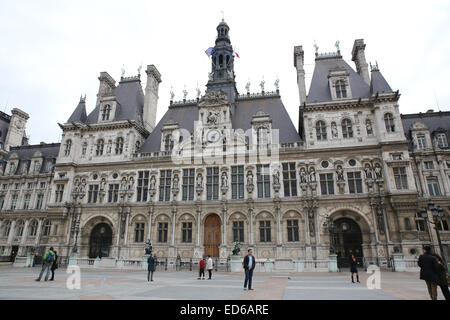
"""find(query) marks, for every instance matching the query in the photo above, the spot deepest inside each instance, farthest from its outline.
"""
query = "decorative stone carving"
(175, 185)
(369, 129)
(250, 185)
(214, 98)
(276, 180)
(199, 186)
(212, 118)
(334, 132)
(378, 171)
(224, 186)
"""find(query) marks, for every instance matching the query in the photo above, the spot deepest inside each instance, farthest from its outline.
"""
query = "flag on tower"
(236, 54)
(209, 51)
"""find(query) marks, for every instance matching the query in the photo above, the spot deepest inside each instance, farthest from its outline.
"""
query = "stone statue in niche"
(368, 171)
(199, 180)
(334, 132)
(103, 184)
(213, 118)
(153, 183)
(123, 183)
(378, 173)
(175, 181)
(250, 181)
(340, 173)
(303, 178)
(312, 175)
(369, 127)
(276, 177)
(224, 179)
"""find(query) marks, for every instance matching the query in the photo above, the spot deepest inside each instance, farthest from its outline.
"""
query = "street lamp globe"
(423, 213)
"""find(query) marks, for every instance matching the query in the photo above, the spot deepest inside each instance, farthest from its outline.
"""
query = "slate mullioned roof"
(241, 119)
(130, 97)
(378, 83)
(49, 153)
(79, 115)
(319, 90)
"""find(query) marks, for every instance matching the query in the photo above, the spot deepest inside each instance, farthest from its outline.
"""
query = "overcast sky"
(51, 52)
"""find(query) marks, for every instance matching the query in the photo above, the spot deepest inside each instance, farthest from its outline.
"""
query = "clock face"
(213, 136)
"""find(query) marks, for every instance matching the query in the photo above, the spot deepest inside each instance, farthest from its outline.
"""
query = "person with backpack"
(201, 274)
(49, 257)
(54, 266)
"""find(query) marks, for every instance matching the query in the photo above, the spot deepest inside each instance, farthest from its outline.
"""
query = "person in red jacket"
(202, 269)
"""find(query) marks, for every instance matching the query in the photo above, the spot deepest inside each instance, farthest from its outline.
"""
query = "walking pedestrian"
(49, 257)
(443, 283)
(249, 265)
(150, 267)
(54, 266)
(429, 271)
(201, 274)
(209, 266)
(354, 268)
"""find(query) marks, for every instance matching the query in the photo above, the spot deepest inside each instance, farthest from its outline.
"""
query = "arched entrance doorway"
(100, 241)
(212, 235)
(347, 240)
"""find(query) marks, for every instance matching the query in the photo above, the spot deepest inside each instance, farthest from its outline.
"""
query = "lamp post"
(77, 193)
(330, 225)
(438, 216)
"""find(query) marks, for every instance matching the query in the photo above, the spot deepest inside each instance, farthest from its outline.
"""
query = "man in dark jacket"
(429, 271)
(249, 265)
(150, 267)
(49, 257)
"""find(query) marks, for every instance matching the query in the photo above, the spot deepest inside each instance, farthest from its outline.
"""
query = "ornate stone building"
(229, 167)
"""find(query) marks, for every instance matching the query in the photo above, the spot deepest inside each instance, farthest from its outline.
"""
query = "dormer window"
(84, 149)
(100, 146)
(421, 141)
(119, 145)
(67, 147)
(321, 130)
(262, 136)
(341, 89)
(347, 129)
(106, 111)
(168, 143)
(389, 122)
(442, 140)
(137, 146)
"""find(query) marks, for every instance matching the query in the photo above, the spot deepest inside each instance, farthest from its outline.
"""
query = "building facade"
(229, 167)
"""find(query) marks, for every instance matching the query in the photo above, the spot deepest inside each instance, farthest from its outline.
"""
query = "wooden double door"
(212, 235)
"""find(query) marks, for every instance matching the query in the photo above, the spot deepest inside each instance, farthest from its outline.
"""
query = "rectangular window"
(39, 201)
(59, 193)
(264, 231)
(93, 193)
(433, 186)
(442, 225)
(30, 185)
(188, 184)
(165, 181)
(421, 142)
(139, 232)
(162, 231)
(397, 156)
(212, 183)
(142, 186)
(263, 180)
(113, 192)
(420, 223)
(292, 230)
(2, 202)
(401, 179)
(354, 182)
(429, 165)
(14, 201)
(42, 185)
(187, 232)
(26, 201)
(289, 180)
(238, 231)
(17, 186)
(327, 183)
(442, 140)
(237, 182)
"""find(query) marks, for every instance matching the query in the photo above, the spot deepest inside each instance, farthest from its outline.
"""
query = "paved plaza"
(18, 283)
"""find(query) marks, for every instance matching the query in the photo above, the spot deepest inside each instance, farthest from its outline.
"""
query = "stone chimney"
(359, 57)
(16, 131)
(151, 97)
(299, 63)
(107, 84)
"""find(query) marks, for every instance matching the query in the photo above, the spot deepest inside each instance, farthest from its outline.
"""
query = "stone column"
(11, 232)
(199, 212)
(127, 221)
(119, 226)
(24, 233)
(422, 180)
(308, 249)
(374, 218)
(69, 230)
(250, 214)
(150, 218)
(174, 215)
(38, 234)
(444, 178)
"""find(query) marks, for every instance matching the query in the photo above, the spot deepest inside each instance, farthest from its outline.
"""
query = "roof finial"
(277, 84)
(247, 86)
(337, 46)
(223, 16)
(172, 95)
(262, 84)
(316, 47)
(139, 69)
(198, 92)
(123, 70)
(184, 93)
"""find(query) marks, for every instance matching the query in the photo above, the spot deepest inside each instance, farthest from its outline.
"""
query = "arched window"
(6, 228)
(67, 148)
(228, 60)
(47, 227)
(119, 145)
(221, 61)
(33, 228)
(389, 122)
(106, 112)
(341, 90)
(321, 130)
(168, 143)
(100, 146)
(347, 129)
(137, 146)
(19, 230)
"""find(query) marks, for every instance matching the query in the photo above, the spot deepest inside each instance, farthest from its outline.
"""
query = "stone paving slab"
(96, 284)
